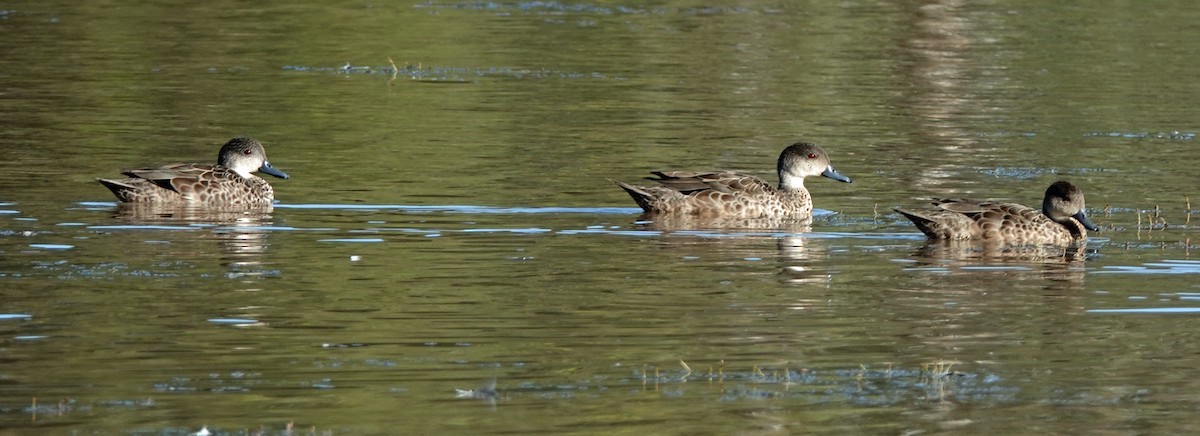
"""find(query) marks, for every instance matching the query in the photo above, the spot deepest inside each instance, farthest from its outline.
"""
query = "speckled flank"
(730, 195)
(1061, 221)
(218, 185)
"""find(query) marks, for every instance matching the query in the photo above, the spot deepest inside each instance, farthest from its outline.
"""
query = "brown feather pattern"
(731, 196)
(1008, 223)
(218, 185)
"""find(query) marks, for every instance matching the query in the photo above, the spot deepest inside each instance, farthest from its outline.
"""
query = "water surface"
(451, 257)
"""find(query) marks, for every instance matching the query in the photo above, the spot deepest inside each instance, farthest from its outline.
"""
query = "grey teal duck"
(1061, 221)
(733, 196)
(229, 183)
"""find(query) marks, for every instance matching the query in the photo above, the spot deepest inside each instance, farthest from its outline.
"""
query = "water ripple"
(536, 7)
(1173, 135)
(452, 75)
(1150, 310)
(1163, 267)
(465, 209)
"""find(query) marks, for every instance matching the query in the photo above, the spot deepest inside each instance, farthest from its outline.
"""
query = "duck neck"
(1076, 228)
(1078, 231)
(789, 182)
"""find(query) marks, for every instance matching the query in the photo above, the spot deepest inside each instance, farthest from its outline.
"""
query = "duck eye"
(812, 155)
(246, 152)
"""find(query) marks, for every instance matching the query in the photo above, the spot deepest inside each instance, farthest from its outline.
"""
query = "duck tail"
(639, 195)
(118, 188)
(925, 224)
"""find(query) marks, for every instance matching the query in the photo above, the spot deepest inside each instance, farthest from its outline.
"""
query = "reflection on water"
(675, 222)
(796, 262)
(444, 235)
(952, 83)
(803, 263)
(1060, 269)
(147, 213)
(986, 250)
(242, 234)
(564, 316)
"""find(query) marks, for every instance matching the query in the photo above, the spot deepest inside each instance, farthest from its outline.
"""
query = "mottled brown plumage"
(732, 196)
(229, 183)
(1061, 221)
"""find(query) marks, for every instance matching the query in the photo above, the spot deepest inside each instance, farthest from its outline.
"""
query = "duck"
(1061, 220)
(730, 196)
(229, 183)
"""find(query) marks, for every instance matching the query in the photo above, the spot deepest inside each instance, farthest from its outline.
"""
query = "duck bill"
(1083, 219)
(833, 174)
(266, 168)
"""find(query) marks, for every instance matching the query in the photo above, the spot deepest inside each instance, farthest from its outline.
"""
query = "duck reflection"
(241, 234)
(983, 250)
(1061, 267)
(799, 261)
(798, 267)
(680, 222)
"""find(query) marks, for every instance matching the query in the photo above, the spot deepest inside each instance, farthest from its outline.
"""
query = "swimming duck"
(1061, 221)
(229, 183)
(733, 196)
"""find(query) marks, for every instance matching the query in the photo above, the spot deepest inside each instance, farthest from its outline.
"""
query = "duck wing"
(728, 182)
(173, 176)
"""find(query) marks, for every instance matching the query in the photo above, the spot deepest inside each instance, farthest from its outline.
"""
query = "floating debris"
(485, 392)
(435, 74)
